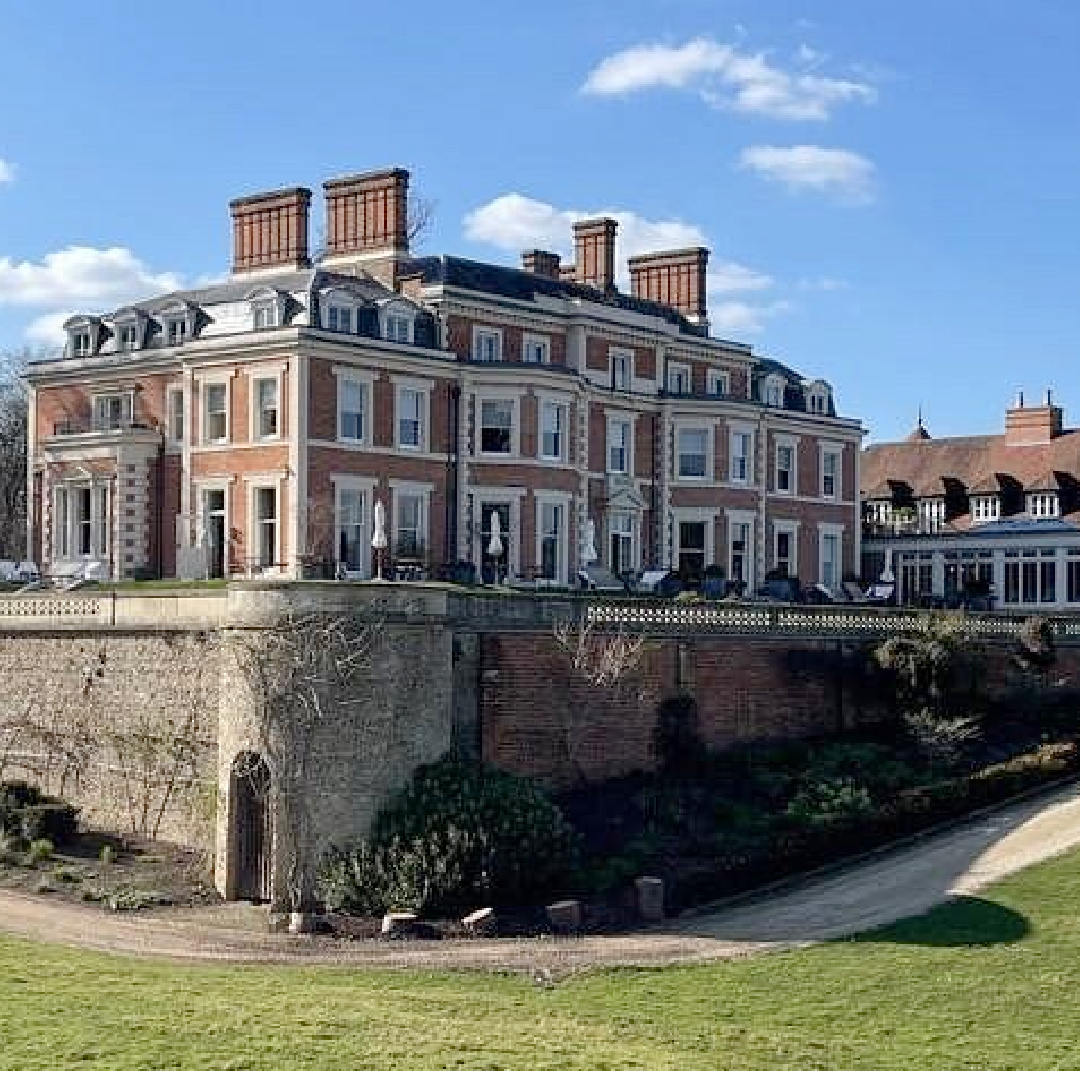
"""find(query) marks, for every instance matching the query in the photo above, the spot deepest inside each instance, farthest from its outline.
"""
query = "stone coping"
(251, 604)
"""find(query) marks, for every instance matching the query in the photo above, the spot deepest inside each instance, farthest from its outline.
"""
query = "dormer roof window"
(396, 322)
(772, 391)
(818, 397)
(83, 335)
(267, 309)
(129, 327)
(178, 323)
(340, 312)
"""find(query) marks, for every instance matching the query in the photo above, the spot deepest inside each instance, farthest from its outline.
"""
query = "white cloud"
(7, 172)
(731, 277)
(741, 317)
(843, 172)
(77, 279)
(517, 223)
(822, 284)
(728, 79)
(75, 276)
(48, 329)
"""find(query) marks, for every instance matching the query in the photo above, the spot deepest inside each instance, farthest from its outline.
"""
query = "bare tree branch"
(301, 672)
(420, 217)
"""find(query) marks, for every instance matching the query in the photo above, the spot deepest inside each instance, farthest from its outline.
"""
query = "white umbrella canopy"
(495, 546)
(887, 574)
(378, 534)
(378, 537)
(588, 546)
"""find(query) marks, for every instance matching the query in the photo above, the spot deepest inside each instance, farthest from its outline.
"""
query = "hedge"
(795, 847)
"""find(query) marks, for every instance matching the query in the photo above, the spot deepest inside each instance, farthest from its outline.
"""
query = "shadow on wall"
(964, 922)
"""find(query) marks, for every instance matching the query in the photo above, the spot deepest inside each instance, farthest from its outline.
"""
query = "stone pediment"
(624, 493)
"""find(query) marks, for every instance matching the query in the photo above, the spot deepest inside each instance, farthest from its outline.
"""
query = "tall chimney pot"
(675, 278)
(594, 244)
(270, 230)
(542, 263)
(367, 214)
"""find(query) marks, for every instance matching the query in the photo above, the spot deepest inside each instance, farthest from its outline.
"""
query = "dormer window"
(818, 396)
(129, 329)
(264, 315)
(84, 335)
(339, 311)
(399, 328)
(267, 309)
(772, 391)
(1043, 505)
(177, 323)
(82, 343)
(127, 336)
(985, 507)
(397, 324)
(339, 318)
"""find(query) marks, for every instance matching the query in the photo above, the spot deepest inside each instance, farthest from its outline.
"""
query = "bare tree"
(146, 763)
(302, 673)
(13, 433)
(601, 658)
(420, 217)
(604, 660)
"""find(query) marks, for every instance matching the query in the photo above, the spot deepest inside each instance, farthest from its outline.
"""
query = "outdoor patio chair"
(27, 572)
(854, 593)
(882, 592)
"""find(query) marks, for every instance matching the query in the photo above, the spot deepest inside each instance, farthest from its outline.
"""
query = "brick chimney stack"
(1031, 425)
(542, 263)
(675, 278)
(367, 222)
(594, 244)
(270, 231)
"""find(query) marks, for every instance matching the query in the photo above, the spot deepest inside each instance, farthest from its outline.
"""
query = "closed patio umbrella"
(378, 537)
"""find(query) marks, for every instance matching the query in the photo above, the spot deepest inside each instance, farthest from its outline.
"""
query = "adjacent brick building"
(986, 515)
(252, 427)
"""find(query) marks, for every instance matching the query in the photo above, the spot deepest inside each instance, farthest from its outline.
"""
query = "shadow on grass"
(965, 921)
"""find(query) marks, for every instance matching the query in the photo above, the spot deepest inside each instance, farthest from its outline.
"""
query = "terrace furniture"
(600, 579)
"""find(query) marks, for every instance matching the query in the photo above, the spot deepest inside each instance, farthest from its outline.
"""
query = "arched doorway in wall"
(252, 829)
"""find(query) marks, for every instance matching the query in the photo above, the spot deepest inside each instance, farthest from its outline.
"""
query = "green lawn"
(992, 983)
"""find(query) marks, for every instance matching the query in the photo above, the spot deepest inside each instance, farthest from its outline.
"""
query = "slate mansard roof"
(301, 290)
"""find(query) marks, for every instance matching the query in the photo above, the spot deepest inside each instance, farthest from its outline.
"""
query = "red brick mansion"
(253, 426)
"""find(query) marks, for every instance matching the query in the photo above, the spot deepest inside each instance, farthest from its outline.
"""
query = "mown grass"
(991, 983)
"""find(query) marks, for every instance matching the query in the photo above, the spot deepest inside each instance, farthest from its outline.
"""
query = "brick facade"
(273, 498)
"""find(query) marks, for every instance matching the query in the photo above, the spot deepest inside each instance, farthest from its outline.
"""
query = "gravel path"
(905, 882)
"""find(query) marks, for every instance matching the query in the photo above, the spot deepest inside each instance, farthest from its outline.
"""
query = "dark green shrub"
(39, 851)
(829, 801)
(51, 819)
(462, 834)
(14, 795)
(873, 766)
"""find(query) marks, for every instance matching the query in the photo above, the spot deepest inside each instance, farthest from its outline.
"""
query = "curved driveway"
(905, 882)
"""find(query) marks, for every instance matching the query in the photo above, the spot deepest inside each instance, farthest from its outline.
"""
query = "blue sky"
(889, 190)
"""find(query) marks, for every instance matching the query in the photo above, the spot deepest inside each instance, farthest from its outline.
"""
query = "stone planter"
(650, 898)
(564, 916)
